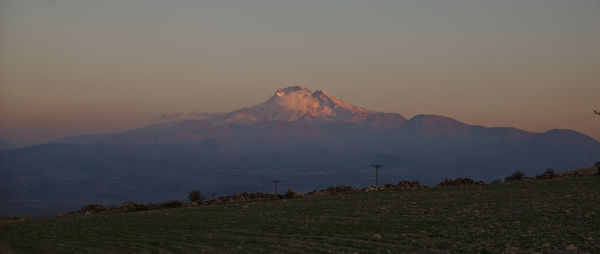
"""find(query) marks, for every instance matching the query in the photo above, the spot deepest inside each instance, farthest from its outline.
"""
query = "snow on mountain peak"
(299, 103)
(284, 91)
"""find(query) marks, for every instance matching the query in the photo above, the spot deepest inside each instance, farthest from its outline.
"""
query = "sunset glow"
(79, 67)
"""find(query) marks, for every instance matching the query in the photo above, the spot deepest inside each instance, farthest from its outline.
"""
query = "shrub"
(516, 176)
(130, 206)
(498, 180)
(292, 194)
(92, 208)
(459, 182)
(409, 184)
(171, 204)
(548, 174)
(597, 166)
(196, 196)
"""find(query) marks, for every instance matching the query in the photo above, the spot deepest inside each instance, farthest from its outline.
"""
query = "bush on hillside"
(548, 174)
(92, 208)
(516, 176)
(196, 196)
(597, 166)
(171, 204)
(131, 206)
(459, 182)
(408, 185)
(292, 194)
(244, 196)
(498, 180)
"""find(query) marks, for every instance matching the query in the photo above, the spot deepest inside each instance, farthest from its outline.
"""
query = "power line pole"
(376, 166)
(275, 182)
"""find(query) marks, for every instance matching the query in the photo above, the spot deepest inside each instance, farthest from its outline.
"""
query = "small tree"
(292, 194)
(516, 176)
(548, 174)
(196, 196)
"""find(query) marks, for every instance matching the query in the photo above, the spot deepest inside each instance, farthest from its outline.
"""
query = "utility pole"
(377, 166)
(275, 182)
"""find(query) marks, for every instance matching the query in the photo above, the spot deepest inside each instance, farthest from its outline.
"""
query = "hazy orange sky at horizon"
(79, 67)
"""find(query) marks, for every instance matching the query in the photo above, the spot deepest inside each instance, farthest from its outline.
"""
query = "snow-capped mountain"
(300, 104)
(291, 112)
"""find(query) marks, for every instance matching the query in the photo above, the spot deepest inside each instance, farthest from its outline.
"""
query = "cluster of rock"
(578, 173)
(134, 206)
(546, 175)
(244, 196)
(403, 185)
(292, 194)
(128, 206)
(460, 182)
(332, 190)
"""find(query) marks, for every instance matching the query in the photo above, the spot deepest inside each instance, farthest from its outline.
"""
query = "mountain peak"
(288, 90)
(299, 103)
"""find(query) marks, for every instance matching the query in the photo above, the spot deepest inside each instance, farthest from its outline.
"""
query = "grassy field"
(543, 216)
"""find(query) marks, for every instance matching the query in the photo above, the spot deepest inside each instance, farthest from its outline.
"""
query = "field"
(548, 216)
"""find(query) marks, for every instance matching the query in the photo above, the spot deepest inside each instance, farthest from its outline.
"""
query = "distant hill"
(306, 139)
(5, 144)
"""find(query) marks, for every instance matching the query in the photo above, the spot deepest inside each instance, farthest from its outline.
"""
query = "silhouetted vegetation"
(597, 166)
(333, 190)
(516, 176)
(196, 196)
(460, 182)
(498, 180)
(548, 174)
(244, 196)
(171, 204)
(292, 194)
(402, 185)
(133, 206)
(92, 208)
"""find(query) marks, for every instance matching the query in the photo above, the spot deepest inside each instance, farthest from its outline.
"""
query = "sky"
(71, 67)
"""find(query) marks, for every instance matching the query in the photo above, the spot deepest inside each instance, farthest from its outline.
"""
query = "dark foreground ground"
(551, 216)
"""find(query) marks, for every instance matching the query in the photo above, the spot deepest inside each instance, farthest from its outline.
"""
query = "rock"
(459, 182)
(376, 237)
(511, 250)
(571, 247)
